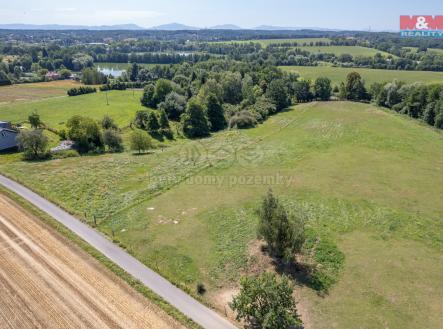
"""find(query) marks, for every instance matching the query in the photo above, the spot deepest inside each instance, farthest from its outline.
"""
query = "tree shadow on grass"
(142, 153)
(296, 270)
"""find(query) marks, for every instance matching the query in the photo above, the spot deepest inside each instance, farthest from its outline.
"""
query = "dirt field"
(47, 282)
(28, 92)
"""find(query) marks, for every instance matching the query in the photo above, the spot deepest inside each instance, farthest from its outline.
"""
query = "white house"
(8, 136)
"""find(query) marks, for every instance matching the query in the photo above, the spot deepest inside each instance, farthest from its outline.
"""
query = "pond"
(110, 70)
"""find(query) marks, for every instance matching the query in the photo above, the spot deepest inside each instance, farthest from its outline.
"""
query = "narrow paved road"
(176, 297)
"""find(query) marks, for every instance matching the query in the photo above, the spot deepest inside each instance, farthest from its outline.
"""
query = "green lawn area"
(56, 111)
(370, 179)
(338, 74)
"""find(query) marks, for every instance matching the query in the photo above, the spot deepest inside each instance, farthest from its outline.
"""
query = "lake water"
(110, 71)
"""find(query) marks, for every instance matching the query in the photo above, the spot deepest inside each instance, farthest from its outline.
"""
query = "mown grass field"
(35, 91)
(431, 50)
(339, 74)
(339, 50)
(56, 111)
(370, 179)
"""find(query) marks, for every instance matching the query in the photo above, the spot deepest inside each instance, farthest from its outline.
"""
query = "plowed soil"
(47, 282)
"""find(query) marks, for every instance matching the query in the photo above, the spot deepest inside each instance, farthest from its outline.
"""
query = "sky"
(346, 14)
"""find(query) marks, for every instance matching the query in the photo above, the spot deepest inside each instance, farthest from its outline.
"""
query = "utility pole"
(107, 101)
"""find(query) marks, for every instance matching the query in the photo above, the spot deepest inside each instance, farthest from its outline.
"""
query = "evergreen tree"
(152, 124)
(34, 120)
(215, 113)
(283, 233)
(133, 72)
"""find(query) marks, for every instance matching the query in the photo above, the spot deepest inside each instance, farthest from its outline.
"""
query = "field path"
(176, 297)
(47, 282)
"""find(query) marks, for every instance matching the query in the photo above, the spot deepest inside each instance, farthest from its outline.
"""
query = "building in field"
(51, 76)
(8, 136)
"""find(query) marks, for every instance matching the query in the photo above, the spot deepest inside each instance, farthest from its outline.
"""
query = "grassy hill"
(369, 179)
(338, 74)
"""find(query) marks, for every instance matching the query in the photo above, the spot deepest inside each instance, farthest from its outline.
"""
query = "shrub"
(108, 123)
(140, 141)
(263, 107)
(86, 133)
(4, 80)
(266, 302)
(65, 73)
(65, 154)
(325, 261)
(81, 91)
(174, 105)
(201, 289)
(33, 143)
(113, 140)
(242, 120)
(115, 85)
(141, 118)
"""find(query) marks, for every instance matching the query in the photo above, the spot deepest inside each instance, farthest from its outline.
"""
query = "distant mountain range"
(226, 27)
(289, 28)
(174, 27)
(164, 27)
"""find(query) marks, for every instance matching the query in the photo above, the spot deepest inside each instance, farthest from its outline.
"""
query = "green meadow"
(369, 179)
(56, 111)
(431, 50)
(338, 74)
(340, 50)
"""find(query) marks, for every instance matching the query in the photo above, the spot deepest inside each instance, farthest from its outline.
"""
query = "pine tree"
(215, 113)
(152, 123)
